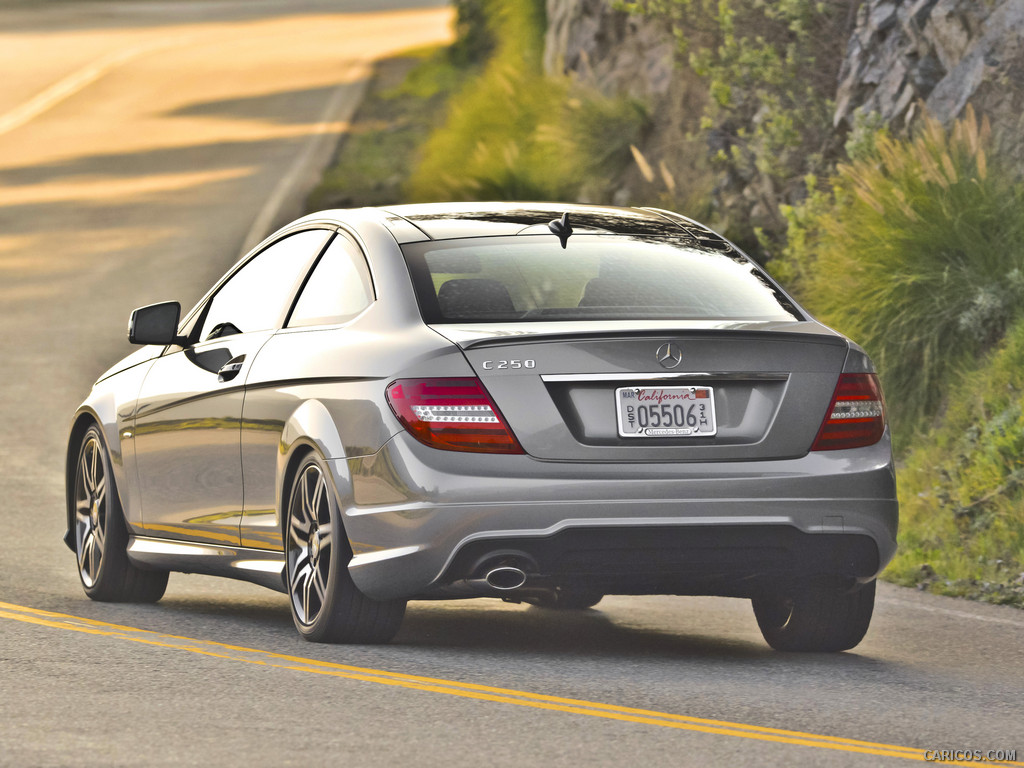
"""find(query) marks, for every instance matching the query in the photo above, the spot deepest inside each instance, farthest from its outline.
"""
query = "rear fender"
(310, 428)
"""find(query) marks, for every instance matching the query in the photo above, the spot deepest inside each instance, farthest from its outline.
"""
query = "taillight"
(856, 416)
(451, 414)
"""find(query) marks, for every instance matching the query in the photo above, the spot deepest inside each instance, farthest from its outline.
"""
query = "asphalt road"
(142, 145)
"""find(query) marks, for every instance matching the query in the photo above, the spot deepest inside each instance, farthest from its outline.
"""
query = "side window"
(256, 297)
(338, 289)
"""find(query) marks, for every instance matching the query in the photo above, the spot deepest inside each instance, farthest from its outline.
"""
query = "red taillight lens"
(856, 416)
(451, 414)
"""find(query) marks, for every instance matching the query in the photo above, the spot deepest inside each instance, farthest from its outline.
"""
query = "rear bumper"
(730, 560)
(420, 519)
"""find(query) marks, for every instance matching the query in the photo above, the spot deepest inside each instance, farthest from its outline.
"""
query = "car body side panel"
(418, 505)
(278, 419)
(341, 416)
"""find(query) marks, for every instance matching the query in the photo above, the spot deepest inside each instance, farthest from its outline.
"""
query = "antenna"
(562, 228)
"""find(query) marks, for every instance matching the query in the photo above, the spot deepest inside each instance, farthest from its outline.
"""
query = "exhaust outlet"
(505, 577)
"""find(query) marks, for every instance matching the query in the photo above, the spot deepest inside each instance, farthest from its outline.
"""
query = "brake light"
(451, 414)
(856, 417)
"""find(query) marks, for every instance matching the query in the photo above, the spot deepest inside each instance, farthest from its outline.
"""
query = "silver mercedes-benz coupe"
(541, 403)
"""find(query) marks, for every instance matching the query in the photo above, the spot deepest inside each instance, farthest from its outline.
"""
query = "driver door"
(188, 418)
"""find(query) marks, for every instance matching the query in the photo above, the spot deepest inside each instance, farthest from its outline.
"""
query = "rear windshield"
(529, 278)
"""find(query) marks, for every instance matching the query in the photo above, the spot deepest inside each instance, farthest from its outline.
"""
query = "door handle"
(231, 368)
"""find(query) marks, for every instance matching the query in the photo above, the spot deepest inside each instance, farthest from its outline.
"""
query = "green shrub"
(770, 69)
(474, 37)
(920, 258)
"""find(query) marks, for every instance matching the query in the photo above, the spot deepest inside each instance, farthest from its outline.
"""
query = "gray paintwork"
(201, 466)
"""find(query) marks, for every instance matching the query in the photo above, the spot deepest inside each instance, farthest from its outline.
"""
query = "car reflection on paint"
(545, 404)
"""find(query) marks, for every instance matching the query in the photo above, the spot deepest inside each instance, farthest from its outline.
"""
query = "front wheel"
(815, 617)
(326, 605)
(101, 535)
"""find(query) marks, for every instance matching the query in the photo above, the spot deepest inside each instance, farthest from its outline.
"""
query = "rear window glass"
(530, 278)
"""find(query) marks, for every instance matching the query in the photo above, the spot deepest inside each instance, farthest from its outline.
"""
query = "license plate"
(665, 411)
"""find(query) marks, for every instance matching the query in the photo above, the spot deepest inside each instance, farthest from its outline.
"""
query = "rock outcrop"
(609, 50)
(942, 53)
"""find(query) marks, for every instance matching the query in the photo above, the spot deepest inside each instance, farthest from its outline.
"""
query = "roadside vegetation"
(769, 70)
(915, 247)
(480, 121)
(911, 244)
(405, 102)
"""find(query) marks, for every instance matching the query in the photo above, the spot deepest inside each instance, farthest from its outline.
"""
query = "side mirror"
(155, 324)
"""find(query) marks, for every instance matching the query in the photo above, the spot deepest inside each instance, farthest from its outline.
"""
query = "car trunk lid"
(556, 383)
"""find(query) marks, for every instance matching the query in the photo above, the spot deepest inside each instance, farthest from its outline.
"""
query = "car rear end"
(637, 414)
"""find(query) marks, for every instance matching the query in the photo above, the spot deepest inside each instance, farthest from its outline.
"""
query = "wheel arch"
(87, 417)
(309, 429)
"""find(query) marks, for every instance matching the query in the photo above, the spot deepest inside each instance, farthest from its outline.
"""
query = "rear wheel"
(566, 599)
(326, 605)
(101, 536)
(816, 617)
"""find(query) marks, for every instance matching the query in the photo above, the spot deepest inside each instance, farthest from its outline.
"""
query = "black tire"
(566, 599)
(101, 535)
(817, 617)
(326, 605)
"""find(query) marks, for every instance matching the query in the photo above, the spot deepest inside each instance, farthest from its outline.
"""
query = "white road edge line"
(949, 612)
(73, 83)
(336, 110)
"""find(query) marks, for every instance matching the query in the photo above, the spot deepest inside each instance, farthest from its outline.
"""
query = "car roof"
(445, 221)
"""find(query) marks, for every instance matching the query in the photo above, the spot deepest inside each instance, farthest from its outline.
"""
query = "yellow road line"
(455, 688)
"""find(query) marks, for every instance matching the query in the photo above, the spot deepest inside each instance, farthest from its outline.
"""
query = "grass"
(481, 121)
(405, 103)
(514, 133)
(502, 138)
(962, 488)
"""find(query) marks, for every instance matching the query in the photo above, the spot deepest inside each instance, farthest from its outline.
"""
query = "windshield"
(528, 278)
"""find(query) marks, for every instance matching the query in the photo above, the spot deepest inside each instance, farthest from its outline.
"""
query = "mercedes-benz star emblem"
(669, 355)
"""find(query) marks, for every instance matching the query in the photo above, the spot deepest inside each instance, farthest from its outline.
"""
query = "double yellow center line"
(456, 688)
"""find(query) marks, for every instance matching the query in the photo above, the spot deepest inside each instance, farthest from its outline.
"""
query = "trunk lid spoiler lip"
(473, 336)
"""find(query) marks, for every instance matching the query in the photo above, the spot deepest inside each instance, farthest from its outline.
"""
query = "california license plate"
(665, 411)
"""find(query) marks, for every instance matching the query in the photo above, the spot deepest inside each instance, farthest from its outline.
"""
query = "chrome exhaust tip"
(505, 577)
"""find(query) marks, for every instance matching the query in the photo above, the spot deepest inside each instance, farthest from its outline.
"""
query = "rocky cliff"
(942, 54)
(609, 50)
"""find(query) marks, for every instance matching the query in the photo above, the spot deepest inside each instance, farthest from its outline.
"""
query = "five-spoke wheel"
(326, 605)
(309, 545)
(90, 509)
(101, 536)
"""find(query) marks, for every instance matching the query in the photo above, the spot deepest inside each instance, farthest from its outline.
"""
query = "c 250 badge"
(499, 365)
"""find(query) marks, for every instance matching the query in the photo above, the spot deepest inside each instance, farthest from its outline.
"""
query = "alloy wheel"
(310, 540)
(90, 510)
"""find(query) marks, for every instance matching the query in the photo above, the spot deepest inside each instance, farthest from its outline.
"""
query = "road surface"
(142, 146)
